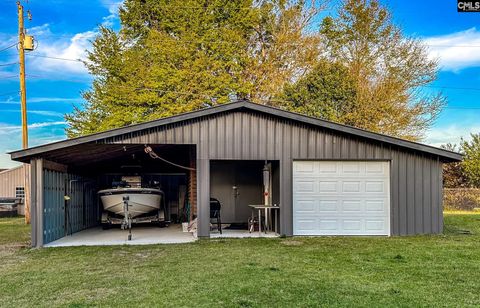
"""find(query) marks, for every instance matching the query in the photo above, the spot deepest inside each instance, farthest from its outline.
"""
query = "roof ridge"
(238, 104)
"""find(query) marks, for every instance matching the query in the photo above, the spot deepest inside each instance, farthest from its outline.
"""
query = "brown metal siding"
(13, 178)
(10, 179)
(416, 184)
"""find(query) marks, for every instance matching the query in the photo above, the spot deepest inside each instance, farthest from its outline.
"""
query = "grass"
(14, 232)
(441, 270)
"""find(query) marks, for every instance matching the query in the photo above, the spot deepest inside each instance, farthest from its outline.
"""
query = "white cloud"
(7, 129)
(63, 47)
(46, 124)
(6, 162)
(52, 99)
(40, 30)
(450, 134)
(73, 47)
(109, 21)
(46, 113)
(456, 50)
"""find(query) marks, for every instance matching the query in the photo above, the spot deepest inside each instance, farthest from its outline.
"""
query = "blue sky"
(64, 29)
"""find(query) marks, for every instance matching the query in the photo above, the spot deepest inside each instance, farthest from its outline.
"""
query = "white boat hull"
(140, 200)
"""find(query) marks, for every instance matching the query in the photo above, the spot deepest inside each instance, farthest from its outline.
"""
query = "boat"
(140, 200)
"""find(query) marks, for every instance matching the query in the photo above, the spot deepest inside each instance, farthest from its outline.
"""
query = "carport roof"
(25, 155)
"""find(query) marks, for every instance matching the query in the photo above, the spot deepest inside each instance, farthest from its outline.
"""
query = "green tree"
(453, 174)
(389, 70)
(327, 92)
(169, 57)
(175, 56)
(471, 162)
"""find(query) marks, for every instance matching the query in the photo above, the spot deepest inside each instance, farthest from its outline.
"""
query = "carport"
(80, 171)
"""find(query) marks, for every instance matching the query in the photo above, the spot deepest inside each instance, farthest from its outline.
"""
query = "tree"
(389, 70)
(175, 56)
(327, 92)
(283, 47)
(471, 162)
(453, 174)
(467, 172)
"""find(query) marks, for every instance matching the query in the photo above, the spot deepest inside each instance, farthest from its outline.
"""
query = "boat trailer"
(127, 220)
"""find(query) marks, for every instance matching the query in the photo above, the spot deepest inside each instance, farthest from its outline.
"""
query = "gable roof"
(24, 155)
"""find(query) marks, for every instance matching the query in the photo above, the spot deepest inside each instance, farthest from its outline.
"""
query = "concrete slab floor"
(141, 235)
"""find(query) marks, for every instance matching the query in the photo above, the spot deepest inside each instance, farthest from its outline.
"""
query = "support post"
(203, 197)
(36, 188)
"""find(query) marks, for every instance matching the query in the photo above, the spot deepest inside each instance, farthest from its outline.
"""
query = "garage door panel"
(352, 167)
(327, 167)
(343, 198)
(307, 226)
(351, 186)
(376, 169)
(328, 224)
(376, 206)
(375, 186)
(352, 225)
(328, 206)
(351, 206)
(306, 207)
(304, 168)
(375, 225)
(327, 186)
(305, 186)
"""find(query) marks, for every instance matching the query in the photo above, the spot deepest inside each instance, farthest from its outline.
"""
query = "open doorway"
(236, 184)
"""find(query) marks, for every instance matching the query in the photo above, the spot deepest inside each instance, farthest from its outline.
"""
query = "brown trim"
(51, 165)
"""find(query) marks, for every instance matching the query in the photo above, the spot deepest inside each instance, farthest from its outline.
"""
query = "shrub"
(461, 199)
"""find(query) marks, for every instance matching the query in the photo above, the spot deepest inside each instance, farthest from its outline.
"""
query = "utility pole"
(23, 104)
(23, 91)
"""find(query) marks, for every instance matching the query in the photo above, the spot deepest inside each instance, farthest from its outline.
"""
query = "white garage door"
(341, 198)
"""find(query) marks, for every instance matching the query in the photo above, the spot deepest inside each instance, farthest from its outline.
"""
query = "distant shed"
(12, 184)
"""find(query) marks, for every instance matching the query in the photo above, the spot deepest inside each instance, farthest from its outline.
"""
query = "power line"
(82, 61)
(192, 93)
(56, 79)
(9, 93)
(8, 47)
(290, 44)
(8, 64)
(207, 96)
(8, 76)
(55, 58)
(204, 95)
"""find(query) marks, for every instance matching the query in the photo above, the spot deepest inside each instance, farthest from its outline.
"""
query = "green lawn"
(441, 270)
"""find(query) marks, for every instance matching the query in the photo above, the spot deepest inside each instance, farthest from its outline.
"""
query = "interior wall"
(236, 184)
